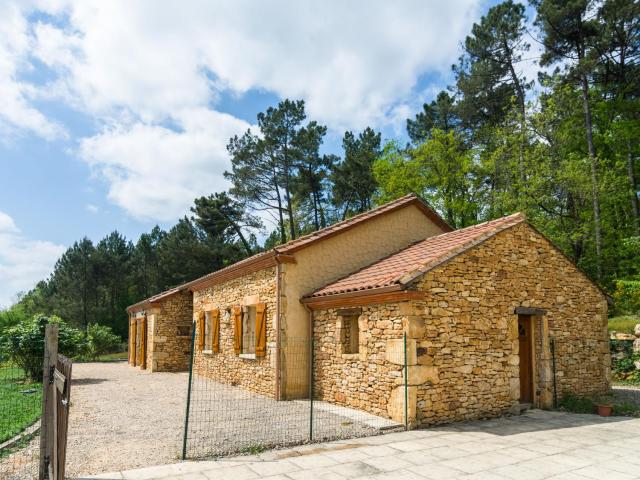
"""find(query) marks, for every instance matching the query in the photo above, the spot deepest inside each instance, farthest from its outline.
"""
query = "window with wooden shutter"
(237, 330)
(143, 343)
(261, 330)
(201, 331)
(215, 330)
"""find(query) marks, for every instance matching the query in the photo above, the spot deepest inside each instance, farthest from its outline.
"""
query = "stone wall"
(364, 380)
(463, 338)
(171, 324)
(257, 375)
(332, 258)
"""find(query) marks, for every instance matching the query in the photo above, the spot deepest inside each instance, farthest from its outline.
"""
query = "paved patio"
(537, 445)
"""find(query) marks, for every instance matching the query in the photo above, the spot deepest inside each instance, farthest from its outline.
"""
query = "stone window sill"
(351, 356)
(248, 356)
(207, 352)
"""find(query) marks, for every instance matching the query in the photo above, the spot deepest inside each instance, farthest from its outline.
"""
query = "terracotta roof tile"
(403, 266)
(158, 296)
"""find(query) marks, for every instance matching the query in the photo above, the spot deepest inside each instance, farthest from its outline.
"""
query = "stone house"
(160, 331)
(252, 329)
(482, 308)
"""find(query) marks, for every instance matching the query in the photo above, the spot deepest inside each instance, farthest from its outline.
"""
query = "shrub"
(101, 340)
(577, 404)
(627, 296)
(24, 343)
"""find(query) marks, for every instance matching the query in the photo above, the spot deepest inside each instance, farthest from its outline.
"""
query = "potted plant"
(605, 406)
(605, 410)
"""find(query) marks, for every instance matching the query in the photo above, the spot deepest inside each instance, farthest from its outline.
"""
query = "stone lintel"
(530, 311)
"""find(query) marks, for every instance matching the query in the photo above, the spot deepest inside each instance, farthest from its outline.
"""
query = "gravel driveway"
(122, 417)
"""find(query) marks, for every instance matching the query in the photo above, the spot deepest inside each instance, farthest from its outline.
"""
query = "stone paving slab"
(535, 446)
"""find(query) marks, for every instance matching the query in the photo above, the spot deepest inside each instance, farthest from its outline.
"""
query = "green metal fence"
(20, 409)
(228, 413)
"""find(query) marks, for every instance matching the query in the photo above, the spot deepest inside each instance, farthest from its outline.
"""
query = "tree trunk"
(635, 207)
(522, 108)
(283, 233)
(594, 174)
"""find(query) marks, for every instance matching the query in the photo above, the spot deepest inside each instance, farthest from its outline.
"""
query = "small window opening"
(350, 335)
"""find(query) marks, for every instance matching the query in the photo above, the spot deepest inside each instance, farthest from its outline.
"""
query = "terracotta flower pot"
(605, 410)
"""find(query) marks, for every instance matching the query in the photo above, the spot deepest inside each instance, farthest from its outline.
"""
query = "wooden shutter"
(132, 342)
(143, 344)
(215, 330)
(261, 330)
(237, 330)
(201, 318)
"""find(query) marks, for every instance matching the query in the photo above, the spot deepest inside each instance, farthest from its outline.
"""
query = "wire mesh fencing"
(243, 404)
(20, 411)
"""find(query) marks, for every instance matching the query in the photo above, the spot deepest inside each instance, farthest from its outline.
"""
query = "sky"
(115, 115)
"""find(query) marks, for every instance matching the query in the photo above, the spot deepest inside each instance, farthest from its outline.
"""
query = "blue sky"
(116, 115)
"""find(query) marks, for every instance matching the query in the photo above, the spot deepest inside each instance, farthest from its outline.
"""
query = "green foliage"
(353, 181)
(627, 296)
(24, 343)
(20, 402)
(578, 404)
(440, 169)
(101, 340)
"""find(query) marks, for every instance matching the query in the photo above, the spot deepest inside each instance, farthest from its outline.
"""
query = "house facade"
(478, 322)
(160, 331)
(484, 309)
(254, 332)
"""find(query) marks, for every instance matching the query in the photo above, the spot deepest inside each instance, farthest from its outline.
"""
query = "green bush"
(577, 404)
(101, 340)
(627, 297)
(24, 343)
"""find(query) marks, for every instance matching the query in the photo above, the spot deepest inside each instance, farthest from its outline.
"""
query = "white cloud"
(91, 208)
(155, 172)
(137, 67)
(23, 261)
(16, 111)
(351, 62)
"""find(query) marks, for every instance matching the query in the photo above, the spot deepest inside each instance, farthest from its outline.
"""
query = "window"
(208, 330)
(350, 335)
(249, 330)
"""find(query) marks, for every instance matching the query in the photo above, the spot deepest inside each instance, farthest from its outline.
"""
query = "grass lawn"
(623, 323)
(20, 402)
(107, 357)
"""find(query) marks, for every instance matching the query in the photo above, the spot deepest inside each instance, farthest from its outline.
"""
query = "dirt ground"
(121, 417)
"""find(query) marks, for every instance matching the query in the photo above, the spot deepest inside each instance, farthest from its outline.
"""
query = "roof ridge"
(398, 201)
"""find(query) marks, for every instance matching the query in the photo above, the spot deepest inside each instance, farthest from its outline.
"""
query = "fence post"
(311, 380)
(406, 383)
(47, 426)
(186, 417)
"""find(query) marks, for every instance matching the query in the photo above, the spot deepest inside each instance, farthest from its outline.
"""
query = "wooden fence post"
(47, 426)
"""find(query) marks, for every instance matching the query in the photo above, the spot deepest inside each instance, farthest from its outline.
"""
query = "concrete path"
(537, 445)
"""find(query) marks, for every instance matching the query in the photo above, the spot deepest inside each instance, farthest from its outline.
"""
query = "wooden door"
(526, 367)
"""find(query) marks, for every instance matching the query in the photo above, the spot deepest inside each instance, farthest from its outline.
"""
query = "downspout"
(311, 352)
(278, 346)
